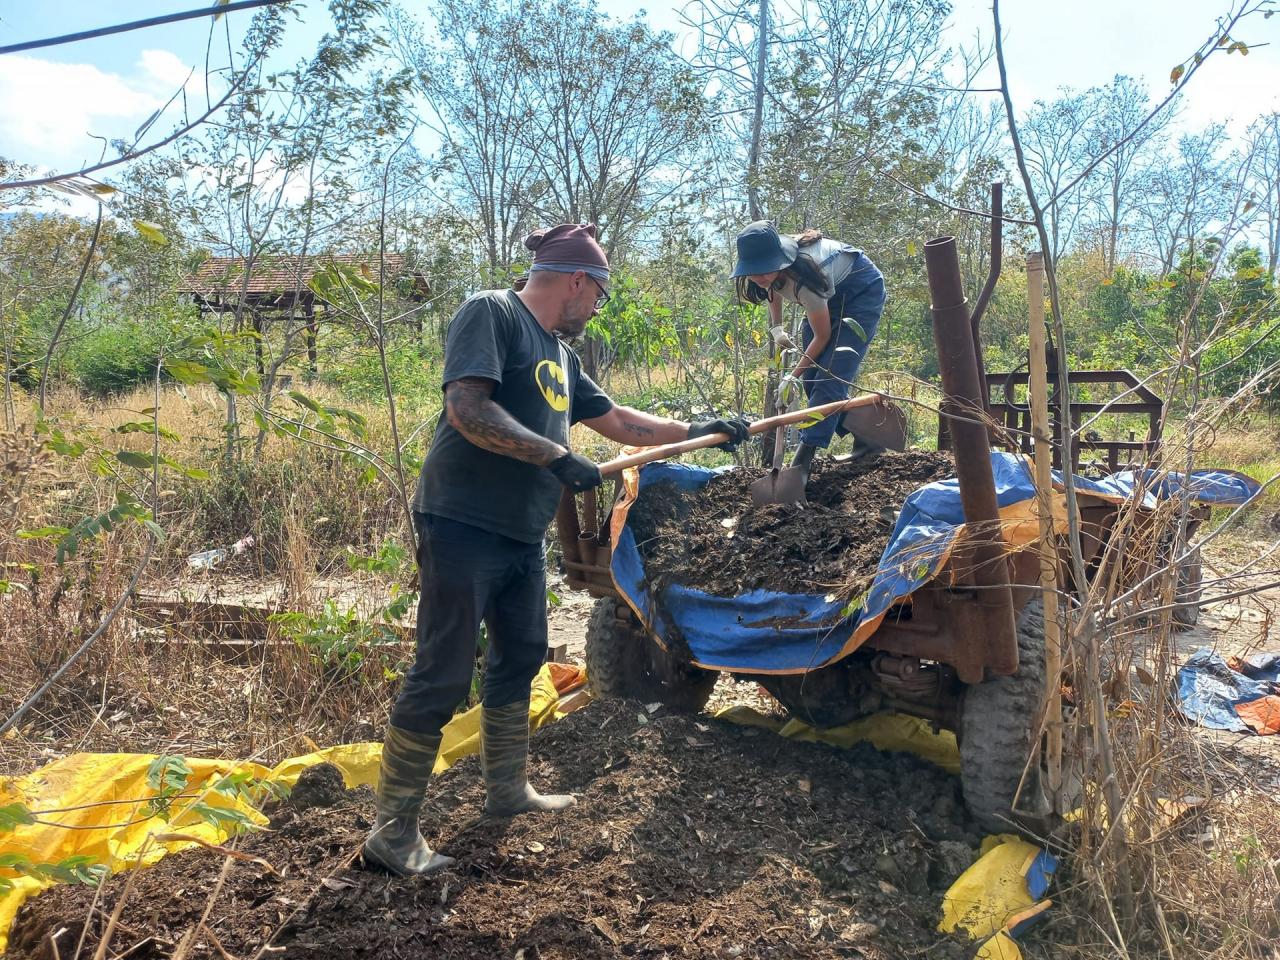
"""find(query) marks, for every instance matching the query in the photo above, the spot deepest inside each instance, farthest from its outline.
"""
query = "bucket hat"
(761, 249)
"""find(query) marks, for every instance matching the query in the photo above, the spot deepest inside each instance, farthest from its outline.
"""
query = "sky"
(53, 100)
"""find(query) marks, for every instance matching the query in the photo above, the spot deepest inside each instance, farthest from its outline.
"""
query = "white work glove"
(789, 388)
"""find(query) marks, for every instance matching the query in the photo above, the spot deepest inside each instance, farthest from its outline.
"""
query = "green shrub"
(114, 358)
(414, 371)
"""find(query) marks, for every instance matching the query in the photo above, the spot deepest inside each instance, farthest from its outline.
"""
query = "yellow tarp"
(991, 898)
(101, 796)
(884, 731)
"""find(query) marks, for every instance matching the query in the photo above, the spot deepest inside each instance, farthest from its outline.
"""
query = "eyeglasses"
(604, 294)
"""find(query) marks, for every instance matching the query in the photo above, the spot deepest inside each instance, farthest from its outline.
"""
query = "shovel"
(876, 427)
(870, 401)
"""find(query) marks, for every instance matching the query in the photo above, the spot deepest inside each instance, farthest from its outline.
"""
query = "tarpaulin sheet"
(766, 631)
(886, 730)
(89, 803)
(1213, 694)
(999, 897)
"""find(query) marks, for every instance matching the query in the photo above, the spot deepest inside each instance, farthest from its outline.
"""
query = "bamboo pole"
(1041, 430)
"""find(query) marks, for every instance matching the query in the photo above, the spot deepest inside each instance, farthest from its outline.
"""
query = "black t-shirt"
(539, 382)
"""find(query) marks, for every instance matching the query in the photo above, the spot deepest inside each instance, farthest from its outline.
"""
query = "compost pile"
(692, 837)
(715, 540)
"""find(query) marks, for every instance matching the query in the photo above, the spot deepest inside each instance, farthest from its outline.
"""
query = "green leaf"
(15, 815)
(43, 533)
(145, 426)
(188, 371)
(58, 443)
(911, 248)
(222, 817)
(812, 420)
(304, 401)
(143, 461)
(856, 327)
(168, 774)
(151, 233)
(194, 473)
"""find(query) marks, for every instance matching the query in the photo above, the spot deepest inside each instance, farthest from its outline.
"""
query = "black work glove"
(736, 428)
(576, 472)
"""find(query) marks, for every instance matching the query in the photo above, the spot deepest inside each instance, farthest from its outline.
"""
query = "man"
(489, 488)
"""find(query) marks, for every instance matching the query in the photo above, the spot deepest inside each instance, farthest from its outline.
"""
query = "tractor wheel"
(1189, 589)
(997, 721)
(625, 662)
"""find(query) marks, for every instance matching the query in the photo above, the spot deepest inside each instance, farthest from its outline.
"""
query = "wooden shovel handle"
(650, 454)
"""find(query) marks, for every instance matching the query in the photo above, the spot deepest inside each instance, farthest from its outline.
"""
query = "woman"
(842, 294)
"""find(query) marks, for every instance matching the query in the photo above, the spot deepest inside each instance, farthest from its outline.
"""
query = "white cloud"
(49, 110)
(166, 69)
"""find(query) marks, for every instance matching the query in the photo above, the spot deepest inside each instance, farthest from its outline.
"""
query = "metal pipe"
(981, 559)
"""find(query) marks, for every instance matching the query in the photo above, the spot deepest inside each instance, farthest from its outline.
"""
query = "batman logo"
(549, 376)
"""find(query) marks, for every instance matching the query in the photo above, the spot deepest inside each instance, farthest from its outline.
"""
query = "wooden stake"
(1041, 430)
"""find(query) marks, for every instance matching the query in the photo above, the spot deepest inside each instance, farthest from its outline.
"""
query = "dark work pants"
(829, 378)
(469, 576)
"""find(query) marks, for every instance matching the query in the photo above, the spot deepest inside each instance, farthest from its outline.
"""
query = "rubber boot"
(504, 757)
(803, 460)
(395, 842)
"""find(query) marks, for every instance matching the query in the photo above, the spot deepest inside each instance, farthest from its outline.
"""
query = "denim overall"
(859, 296)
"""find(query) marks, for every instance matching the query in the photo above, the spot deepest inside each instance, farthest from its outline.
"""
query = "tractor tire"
(624, 662)
(1189, 589)
(997, 721)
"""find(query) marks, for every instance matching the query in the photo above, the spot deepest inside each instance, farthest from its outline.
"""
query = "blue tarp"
(772, 632)
(1224, 488)
(1209, 690)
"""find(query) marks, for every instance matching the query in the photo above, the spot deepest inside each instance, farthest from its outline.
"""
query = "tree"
(1057, 140)
(1182, 196)
(1118, 109)
(615, 119)
(474, 80)
(1264, 138)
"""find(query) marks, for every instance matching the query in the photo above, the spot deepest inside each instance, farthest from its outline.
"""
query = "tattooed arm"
(637, 428)
(472, 411)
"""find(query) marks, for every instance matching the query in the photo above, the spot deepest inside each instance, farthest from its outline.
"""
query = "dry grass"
(150, 691)
(1203, 883)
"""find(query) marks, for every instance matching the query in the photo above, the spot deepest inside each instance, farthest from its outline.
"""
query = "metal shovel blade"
(880, 425)
(784, 485)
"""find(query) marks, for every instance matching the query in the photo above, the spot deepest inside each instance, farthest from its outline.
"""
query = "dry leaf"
(606, 930)
(533, 846)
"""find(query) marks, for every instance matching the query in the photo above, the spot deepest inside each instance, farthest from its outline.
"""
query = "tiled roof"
(224, 276)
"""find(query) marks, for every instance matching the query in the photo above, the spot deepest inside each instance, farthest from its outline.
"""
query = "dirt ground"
(691, 838)
(715, 540)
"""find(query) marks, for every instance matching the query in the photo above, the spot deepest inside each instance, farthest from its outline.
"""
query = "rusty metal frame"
(1015, 418)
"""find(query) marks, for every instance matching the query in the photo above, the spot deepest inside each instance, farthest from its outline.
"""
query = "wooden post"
(1038, 388)
(309, 304)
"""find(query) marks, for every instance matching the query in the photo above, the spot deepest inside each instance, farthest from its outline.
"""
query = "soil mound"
(715, 540)
(692, 838)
